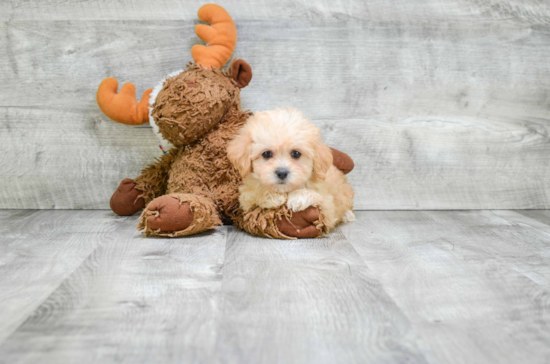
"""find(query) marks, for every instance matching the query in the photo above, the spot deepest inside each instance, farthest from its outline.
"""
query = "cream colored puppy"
(283, 160)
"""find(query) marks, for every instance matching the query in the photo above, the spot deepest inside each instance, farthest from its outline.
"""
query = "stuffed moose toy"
(193, 187)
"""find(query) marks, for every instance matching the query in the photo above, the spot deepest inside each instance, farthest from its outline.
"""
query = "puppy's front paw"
(300, 200)
(349, 216)
(271, 200)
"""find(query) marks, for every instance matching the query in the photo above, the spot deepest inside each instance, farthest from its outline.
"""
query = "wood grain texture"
(532, 11)
(75, 164)
(459, 275)
(133, 300)
(38, 251)
(443, 104)
(393, 287)
(307, 301)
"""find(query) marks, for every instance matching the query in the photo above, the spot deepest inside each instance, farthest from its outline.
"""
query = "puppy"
(283, 160)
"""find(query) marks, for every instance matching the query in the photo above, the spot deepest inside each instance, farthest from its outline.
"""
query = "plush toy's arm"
(342, 161)
(153, 180)
(133, 195)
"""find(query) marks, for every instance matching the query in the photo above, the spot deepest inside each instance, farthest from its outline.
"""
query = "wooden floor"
(393, 287)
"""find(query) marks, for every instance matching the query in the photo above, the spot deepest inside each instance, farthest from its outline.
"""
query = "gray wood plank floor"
(393, 287)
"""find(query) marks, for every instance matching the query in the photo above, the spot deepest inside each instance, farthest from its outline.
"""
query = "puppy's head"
(281, 148)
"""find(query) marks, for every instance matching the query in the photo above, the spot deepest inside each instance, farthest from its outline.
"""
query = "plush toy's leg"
(126, 200)
(179, 214)
(282, 223)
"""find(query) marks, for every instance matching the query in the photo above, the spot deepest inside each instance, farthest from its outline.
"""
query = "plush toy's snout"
(191, 103)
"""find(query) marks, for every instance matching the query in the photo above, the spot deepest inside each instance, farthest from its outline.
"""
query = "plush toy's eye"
(267, 154)
(295, 154)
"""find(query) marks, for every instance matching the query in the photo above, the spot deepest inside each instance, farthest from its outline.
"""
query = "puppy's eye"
(295, 154)
(267, 154)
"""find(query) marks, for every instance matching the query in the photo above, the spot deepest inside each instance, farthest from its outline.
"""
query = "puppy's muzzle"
(282, 173)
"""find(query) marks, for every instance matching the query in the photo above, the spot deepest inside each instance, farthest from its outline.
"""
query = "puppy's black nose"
(282, 173)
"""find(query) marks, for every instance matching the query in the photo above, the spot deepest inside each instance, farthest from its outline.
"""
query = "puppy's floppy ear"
(322, 160)
(238, 152)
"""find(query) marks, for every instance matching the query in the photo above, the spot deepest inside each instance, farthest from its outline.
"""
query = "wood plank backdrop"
(443, 104)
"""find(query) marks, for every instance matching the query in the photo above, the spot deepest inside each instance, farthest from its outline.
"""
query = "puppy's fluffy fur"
(283, 141)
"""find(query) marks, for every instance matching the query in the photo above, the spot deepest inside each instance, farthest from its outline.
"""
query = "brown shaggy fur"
(199, 111)
(191, 103)
(153, 180)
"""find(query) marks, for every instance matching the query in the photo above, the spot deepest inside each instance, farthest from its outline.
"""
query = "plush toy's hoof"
(178, 214)
(169, 215)
(301, 225)
(125, 201)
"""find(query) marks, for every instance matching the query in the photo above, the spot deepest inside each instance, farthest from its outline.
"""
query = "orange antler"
(123, 107)
(220, 37)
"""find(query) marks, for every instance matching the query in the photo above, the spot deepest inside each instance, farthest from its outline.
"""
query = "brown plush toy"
(194, 187)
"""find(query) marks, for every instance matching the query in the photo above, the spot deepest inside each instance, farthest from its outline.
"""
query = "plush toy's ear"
(241, 72)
